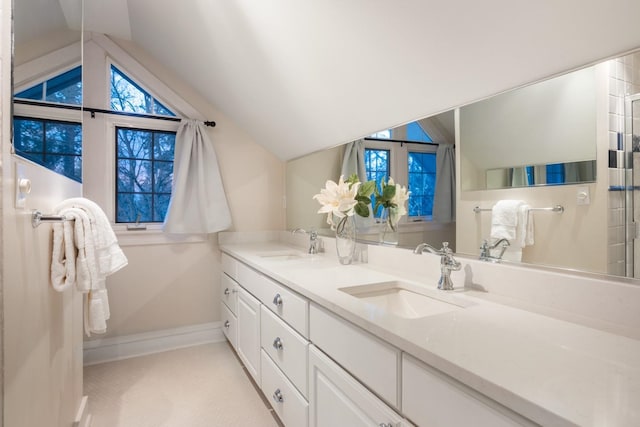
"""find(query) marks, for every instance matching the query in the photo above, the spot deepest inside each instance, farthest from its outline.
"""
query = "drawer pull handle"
(227, 324)
(277, 344)
(226, 291)
(277, 396)
(234, 291)
(386, 425)
(277, 300)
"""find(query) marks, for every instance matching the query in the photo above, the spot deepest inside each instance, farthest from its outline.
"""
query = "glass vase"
(346, 239)
(388, 231)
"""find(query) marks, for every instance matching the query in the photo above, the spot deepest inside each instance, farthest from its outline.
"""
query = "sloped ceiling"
(303, 75)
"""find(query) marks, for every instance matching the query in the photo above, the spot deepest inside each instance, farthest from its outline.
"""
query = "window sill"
(153, 235)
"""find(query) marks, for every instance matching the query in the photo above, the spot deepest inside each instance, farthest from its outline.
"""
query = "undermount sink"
(282, 255)
(406, 300)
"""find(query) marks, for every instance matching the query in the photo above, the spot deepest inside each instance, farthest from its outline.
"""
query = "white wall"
(575, 239)
(170, 285)
(42, 327)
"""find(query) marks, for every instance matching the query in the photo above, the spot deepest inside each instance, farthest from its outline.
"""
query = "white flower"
(402, 195)
(337, 199)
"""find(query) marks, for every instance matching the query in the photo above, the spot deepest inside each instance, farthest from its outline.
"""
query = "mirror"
(578, 133)
(47, 75)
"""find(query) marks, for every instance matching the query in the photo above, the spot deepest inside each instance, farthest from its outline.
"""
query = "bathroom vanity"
(377, 344)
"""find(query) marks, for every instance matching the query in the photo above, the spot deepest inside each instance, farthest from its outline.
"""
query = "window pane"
(134, 176)
(69, 166)
(66, 88)
(35, 93)
(63, 138)
(163, 174)
(422, 180)
(376, 164)
(164, 145)
(133, 207)
(126, 95)
(134, 144)
(416, 133)
(28, 135)
(160, 206)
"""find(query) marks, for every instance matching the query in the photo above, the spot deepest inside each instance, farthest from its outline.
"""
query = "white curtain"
(353, 162)
(444, 199)
(198, 201)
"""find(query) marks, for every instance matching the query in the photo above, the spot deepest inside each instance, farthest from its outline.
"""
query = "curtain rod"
(93, 111)
(401, 141)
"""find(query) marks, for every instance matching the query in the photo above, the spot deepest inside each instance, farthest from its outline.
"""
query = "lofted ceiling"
(302, 75)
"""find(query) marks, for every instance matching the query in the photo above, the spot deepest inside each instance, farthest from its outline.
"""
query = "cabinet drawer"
(230, 266)
(229, 326)
(290, 306)
(290, 405)
(286, 348)
(366, 357)
(229, 292)
(430, 398)
(336, 399)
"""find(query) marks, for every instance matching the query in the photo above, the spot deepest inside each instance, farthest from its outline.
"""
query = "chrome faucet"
(447, 263)
(313, 239)
(485, 250)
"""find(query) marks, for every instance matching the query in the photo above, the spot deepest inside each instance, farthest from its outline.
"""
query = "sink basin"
(282, 255)
(406, 300)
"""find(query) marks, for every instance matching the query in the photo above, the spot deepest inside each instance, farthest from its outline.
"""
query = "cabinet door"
(337, 399)
(229, 325)
(248, 330)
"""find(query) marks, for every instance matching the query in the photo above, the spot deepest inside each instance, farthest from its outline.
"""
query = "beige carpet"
(203, 386)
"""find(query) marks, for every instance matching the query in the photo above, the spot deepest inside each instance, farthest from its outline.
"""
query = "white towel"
(93, 254)
(504, 219)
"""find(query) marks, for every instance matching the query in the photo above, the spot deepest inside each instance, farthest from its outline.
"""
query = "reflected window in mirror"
(45, 130)
(127, 95)
(408, 155)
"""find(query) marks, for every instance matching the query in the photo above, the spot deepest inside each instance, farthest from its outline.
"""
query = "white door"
(337, 399)
(248, 330)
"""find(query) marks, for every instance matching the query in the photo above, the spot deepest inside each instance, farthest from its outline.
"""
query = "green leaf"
(389, 192)
(367, 188)
(362, 209)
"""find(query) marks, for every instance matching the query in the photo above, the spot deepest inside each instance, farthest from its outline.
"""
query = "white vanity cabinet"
(337, 399)
(248, 330)
(432, 399)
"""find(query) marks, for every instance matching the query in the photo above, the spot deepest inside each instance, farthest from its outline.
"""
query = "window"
(57, 145)
(411, 164)
(422, 183)
(144, 177)
(44, 135)
(65, 88)
(144, 156)
(128, 96)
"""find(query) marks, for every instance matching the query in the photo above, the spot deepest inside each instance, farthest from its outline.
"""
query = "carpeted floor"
(203, 386)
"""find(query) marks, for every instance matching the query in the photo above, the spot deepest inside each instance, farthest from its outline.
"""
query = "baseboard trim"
(124, 347)
(83, 417)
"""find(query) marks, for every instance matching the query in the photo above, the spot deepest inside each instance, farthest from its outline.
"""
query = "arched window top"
(127, 95)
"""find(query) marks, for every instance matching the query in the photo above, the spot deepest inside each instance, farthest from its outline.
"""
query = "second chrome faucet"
(447, 263)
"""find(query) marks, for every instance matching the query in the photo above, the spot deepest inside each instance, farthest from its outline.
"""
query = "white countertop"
(551, 371)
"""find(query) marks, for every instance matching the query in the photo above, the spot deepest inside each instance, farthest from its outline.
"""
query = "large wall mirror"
(557, 142)
(47, 75)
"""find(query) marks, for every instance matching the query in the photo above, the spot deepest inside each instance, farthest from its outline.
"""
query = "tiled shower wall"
(624, 80)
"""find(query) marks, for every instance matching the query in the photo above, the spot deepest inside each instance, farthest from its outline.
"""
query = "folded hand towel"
(63, 257)
(504, 219)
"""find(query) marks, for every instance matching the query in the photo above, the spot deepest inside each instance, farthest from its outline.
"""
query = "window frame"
(399, 167)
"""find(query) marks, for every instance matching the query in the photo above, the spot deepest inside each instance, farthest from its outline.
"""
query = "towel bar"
(38, 218)
(556, 208)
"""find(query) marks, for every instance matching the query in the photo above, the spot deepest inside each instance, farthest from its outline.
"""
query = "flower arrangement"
(341, 200)
(391, 197)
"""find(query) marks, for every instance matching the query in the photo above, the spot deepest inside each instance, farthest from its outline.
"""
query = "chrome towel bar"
(556, 208)
(38, 218)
